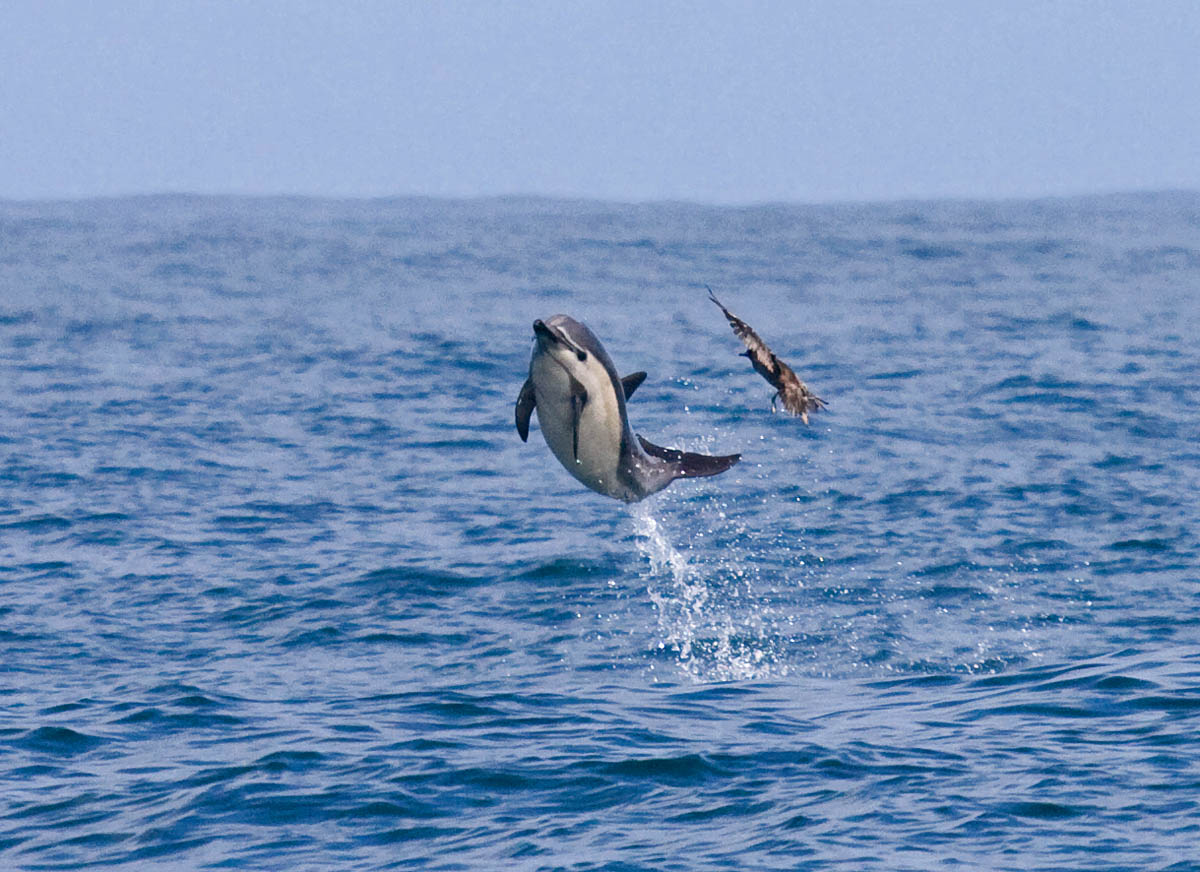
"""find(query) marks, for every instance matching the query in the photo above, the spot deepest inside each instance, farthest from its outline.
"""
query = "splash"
(703, 619)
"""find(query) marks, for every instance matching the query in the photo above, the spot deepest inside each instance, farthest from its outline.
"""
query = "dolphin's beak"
(544, 336)
(548, 336)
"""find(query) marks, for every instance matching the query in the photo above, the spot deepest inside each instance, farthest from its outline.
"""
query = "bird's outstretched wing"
(796, 396)
(760, 355)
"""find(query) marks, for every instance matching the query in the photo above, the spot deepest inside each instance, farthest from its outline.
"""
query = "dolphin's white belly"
(593, 454)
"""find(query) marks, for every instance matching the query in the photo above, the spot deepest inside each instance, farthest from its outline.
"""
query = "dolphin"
(580, 403)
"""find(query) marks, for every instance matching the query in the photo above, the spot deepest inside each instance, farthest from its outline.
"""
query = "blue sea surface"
(281, 588)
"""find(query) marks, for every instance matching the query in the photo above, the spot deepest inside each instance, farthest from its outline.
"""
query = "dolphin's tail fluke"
(689, 465)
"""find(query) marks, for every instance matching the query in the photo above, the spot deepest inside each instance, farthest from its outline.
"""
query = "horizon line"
(602, 200)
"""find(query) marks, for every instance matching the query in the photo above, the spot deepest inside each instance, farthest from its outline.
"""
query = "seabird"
(793, 393)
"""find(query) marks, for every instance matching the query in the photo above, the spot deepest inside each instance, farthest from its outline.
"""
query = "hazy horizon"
(556, 198)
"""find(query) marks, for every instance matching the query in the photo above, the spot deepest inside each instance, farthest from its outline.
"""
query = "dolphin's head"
(576, 350)
(566, 340)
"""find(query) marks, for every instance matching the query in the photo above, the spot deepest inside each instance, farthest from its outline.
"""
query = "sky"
(719, 102)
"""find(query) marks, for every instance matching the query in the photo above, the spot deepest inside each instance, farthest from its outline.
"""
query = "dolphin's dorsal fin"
(525, 404)
(687, 464)
(579, 398)
(630, 382)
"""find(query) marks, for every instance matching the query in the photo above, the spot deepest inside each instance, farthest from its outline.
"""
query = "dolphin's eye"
(582, 355)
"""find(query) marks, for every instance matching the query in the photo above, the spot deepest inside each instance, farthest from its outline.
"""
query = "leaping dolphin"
(580, 403)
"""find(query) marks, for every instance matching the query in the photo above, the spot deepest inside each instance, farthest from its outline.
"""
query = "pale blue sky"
(728, 102)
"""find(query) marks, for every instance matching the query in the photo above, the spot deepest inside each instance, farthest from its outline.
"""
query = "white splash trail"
(693, 618)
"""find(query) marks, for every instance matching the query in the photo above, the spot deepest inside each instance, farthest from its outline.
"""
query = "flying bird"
(789, 390)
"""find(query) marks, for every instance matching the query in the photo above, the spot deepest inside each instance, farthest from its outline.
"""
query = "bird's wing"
(759, 352)
(799, 400)
(796, 396)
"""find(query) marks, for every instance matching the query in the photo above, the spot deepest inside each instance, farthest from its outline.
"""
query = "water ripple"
(280, 586)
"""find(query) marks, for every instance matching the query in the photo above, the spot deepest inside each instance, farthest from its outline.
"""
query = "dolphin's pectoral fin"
(579, 398)
(525, 404)
(631, 382)
(689, 465)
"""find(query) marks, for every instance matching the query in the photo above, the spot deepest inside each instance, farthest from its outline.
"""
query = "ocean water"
(281, 588)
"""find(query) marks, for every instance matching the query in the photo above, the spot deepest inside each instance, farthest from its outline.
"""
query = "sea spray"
(707, 613)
